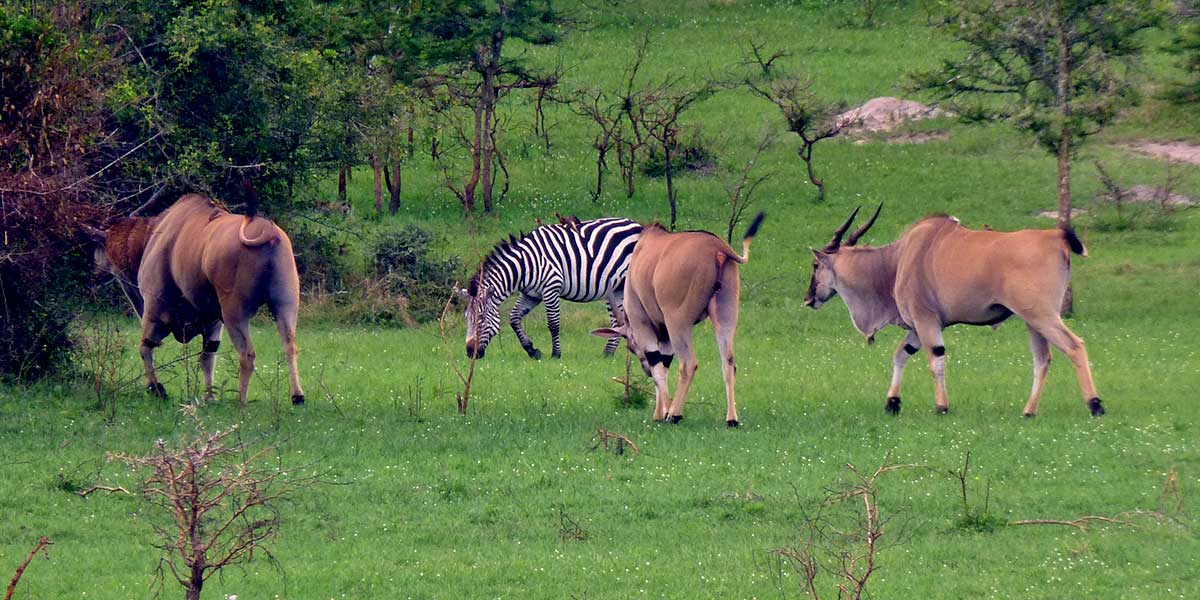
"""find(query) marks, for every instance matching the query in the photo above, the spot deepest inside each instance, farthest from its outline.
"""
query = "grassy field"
(434, 505)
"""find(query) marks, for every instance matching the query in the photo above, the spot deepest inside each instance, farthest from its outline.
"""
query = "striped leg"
(552, 319)
(616, 317)
(515, 318)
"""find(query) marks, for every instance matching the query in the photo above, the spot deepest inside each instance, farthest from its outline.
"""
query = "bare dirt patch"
(1177, 151)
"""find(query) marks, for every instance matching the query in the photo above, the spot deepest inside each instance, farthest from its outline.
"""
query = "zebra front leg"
(552, 319)
(616, 318)
(517, 316)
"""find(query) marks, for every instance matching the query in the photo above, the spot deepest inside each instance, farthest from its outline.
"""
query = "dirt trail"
(1178, 151)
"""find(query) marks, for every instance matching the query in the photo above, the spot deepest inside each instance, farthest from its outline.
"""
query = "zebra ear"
(609, 332)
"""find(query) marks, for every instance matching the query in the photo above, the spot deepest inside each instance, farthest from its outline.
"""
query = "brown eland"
(197, 269)
(940, 273)
(675, 281)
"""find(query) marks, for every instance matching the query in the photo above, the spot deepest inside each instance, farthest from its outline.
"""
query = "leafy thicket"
(55, 78)
(403, 263)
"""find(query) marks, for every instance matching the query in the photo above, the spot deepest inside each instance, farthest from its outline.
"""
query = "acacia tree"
(662, 108)
(1052, 67)
(464, 41)
(1187, 44)
(220, 499)
(808, 115)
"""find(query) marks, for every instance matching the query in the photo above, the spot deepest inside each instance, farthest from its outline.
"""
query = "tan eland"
(675, 281)
(940, 273)
(197, 269)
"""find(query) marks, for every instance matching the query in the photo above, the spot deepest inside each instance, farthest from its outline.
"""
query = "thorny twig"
(43, 542)
(603, 436)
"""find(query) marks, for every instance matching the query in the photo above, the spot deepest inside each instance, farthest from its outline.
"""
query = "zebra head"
(483, 315)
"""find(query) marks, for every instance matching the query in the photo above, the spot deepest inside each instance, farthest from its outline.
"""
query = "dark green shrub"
(403, 266)
(319, 260)
(692, 154)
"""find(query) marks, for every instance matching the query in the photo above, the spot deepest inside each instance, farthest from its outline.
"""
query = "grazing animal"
(940, 273)
(555, 262)
(199, 268)
(675, 281)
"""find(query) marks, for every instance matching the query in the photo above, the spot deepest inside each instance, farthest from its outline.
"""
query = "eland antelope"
(940, 273)
(198, 268)
(676, 280)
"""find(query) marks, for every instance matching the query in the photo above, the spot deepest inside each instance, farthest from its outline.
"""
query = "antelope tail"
(1073, 241)
(266, 237)
(749, 237)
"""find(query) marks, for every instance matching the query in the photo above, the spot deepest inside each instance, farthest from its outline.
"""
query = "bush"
(51, 104)
(692, 154)
(319, 260)
(403, 266)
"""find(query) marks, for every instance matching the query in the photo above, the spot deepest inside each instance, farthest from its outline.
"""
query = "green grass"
(440, 506)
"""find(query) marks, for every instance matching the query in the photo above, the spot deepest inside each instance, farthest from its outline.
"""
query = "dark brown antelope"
(940, 273)
(675, 281)
(197, 269)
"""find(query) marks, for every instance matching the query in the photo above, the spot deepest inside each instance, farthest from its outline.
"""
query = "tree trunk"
(628, 169)
(476, 146)
(806, 156)
(195, 583)
(342, 184)
(488, 92)
(412, 147)
(377, 166)
(1064, 146)
(393, 185)
(600, 163)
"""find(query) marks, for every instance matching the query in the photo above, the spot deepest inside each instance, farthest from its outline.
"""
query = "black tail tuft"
(1073, 241)
(754, 226)
(251, 195)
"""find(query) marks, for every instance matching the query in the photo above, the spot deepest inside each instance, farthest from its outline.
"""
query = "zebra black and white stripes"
(581, 262)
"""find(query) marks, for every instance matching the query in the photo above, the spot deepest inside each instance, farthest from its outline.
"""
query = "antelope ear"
(96, 236)
(823, 257)
(609, 332)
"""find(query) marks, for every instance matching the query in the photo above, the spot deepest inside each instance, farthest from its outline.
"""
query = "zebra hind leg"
(610, 347)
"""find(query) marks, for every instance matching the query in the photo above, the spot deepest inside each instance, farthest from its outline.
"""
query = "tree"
(220, 499)
(808, 116)
(659, 118)
(459, 44)
(232, 86)
(1052, 67)
(1187, 45)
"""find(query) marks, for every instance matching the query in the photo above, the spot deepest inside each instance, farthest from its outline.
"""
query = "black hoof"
(534, 353)
(157, 390)
(608, 353)
(675, 419)
(943, 410)
(298, 399)
(893, 405)
(1030, 415)
(556, 355)
(1096, 408)
(733, 423)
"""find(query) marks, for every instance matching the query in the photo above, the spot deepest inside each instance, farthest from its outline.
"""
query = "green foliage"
(1186, 44)
(319, 259)
(235, 89)
(692, 154)
(1012, 66)
(404, 264)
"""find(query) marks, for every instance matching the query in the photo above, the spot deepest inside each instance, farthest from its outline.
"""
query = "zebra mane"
(503, 245)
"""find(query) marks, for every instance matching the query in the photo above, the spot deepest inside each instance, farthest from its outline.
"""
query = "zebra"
(582, 261)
